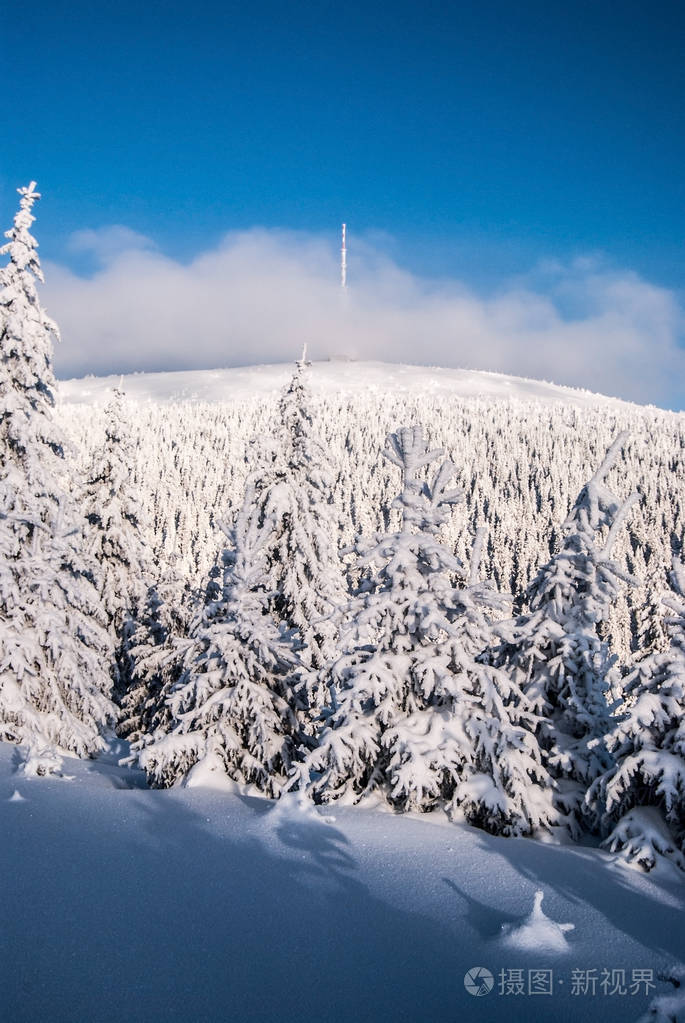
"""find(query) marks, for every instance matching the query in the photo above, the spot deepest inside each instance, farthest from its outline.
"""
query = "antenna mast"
(343, 259)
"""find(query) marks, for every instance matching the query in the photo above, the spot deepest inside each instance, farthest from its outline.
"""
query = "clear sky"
(470, 141)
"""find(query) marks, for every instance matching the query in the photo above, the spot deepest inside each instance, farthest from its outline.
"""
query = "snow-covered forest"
(464, 606)
(521, 463)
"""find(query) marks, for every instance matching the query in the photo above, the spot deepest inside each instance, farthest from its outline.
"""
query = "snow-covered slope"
(120, 903)
(343, 377)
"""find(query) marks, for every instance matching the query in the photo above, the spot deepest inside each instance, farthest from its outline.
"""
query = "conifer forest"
(433, 603)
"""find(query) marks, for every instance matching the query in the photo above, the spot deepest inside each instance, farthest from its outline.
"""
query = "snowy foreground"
(121, 903)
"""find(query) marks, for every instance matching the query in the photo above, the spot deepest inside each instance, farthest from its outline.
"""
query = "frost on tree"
(301, 528)
(158, 648)
(54, 647)
(555, 651)
(116, 539)
(641, 798)
(234, 707)
(524, 464)
(416, 717)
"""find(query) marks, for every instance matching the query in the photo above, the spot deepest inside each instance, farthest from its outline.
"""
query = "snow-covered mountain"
(522, 449)
(339, 377)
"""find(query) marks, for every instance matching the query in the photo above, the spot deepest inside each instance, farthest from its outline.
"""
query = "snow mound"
(40, 761)
(537, 933)
(16, 797)
(209, 773)
(296, 804)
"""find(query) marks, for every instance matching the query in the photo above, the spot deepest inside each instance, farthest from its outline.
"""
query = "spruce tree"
(416, 717)
(641, 798)
(54, 649)
(116, 538)
(158, 649)
(555, 651)
(293, 487)
(234, 707)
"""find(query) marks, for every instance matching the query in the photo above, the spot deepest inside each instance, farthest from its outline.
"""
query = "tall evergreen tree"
(555, 652)
(234, 705)
(158, 650)
(116, 538)
(54, 648)
(416, 717)
(293, 489)
(641, 798)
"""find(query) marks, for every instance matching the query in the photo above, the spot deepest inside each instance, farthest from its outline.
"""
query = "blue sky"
(467, 141)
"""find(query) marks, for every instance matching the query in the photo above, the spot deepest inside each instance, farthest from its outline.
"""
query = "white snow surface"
(193, 904)
(343, 377)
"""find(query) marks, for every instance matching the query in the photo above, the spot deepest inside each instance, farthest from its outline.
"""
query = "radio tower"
(343, 259)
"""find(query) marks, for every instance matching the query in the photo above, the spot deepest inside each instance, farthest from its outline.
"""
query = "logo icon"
(479, 981)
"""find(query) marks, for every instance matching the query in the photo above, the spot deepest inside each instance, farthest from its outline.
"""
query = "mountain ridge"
(216, 385)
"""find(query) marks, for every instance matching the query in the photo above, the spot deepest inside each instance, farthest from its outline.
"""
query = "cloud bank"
(260, 294)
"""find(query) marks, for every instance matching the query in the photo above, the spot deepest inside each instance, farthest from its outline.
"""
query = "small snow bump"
(536, 932)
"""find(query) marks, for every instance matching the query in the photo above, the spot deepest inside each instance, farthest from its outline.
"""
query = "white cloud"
(260, 294)
(106, 243)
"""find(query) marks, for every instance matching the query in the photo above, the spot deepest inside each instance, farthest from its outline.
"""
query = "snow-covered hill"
(522, 451)
(326, 377)
(199, 905)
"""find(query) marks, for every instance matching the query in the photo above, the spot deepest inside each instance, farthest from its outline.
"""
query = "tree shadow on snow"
(158, 906)
(646, 911)
(482, 918)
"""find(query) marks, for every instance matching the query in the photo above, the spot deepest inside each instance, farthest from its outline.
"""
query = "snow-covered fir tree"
(116, 538)
(641, 798)
(234, 708)
(158, 651)
(54, 648)
(555, 652)
(415, 717)
(649, 632)
(293, 488)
